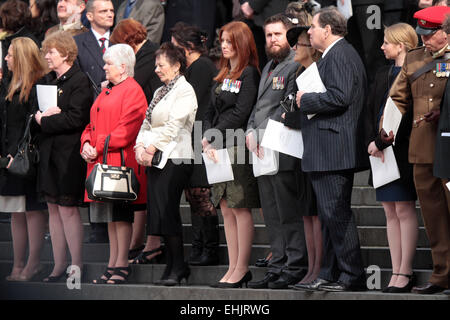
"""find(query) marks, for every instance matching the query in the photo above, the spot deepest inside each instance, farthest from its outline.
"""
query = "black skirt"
(164, 189)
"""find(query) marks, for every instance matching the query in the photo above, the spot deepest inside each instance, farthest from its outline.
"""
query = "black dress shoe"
(206, 259)
(283, 282)
(339, 286)
(311, 286)
(447, 292)
(263, 284)
(427, 288)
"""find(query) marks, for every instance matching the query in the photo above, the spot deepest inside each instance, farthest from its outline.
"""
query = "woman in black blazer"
(233, 97)
(18, 195)
(398, 197)
(62, 171)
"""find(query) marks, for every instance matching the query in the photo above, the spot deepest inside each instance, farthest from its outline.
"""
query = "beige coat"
(424, 94)
(172, 120)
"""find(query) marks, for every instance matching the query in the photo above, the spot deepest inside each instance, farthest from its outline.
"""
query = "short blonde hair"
(64, 43)
(402, 33)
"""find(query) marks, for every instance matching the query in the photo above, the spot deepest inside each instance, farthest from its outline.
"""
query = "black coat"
(377, 97)
(62, 171)
(229, 110)
(13, 117)
(144, 70)
(200, 75)
(442, 150)
(90, 57)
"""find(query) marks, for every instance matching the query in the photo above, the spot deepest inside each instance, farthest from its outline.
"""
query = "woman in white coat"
(167, 128)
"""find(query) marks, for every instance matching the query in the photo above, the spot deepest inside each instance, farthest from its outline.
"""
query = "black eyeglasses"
(298, 44)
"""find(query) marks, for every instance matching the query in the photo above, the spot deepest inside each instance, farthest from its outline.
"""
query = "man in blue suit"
(334, 150)
(92, 44)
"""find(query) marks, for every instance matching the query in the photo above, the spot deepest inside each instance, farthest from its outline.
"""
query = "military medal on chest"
(442, 70)
(278, 83)
(232, 86)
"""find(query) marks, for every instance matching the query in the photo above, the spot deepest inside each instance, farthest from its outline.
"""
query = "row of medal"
(442, 70)
(278, 83)
(231, 85)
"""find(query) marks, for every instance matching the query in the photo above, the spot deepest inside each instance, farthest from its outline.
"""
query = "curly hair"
(173, 54)
(129, 31)
(14, 15)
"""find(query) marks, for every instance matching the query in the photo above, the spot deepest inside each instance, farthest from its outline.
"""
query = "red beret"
(430, 19)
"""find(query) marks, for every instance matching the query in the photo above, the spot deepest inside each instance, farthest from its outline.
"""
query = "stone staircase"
(368, 213)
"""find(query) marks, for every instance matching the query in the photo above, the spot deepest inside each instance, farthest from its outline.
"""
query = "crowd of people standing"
(135, 90)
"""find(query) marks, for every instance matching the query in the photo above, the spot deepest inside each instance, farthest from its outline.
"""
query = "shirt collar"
(98, 35)
(70, 26)
(329, 47)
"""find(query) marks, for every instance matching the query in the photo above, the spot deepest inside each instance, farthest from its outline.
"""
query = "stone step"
(205, 275)
(369, 236)
(379, 256)
(59, 291)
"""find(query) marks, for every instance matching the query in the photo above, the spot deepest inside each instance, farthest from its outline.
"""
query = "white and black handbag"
(111, 183)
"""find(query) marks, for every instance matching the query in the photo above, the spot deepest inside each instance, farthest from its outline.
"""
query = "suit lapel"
(93, 48)
(267, 81)
(136, 7)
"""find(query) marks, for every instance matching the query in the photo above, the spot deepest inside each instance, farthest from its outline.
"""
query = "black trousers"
(342, 260)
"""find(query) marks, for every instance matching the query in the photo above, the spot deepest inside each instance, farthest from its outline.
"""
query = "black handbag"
(111, 183)
(27, 157)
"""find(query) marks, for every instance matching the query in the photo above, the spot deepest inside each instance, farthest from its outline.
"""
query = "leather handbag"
(27, 157)
(112, 183)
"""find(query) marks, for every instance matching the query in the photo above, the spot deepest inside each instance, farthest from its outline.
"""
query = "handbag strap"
(105, 152)
(26, 134)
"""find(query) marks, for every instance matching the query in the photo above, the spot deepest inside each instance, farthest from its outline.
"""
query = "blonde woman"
(398, 197)
(18, 195)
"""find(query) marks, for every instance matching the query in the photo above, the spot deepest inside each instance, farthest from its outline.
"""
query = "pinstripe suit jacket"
(334, 138)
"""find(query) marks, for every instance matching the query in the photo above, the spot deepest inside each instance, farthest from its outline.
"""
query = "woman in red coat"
(118, 112)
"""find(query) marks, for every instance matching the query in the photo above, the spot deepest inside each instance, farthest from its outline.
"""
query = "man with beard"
(281, 209)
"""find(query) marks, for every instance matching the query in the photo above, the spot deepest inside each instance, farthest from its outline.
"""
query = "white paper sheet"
(445, 134)
(392, 117)
(47, 96)
(346, 8)
(266, 166)
(384, 172)
(310, 81)
(448, 185)
(280, 138)
(165, 155)
(220, 171)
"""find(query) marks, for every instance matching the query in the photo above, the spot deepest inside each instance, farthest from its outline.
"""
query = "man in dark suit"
(281, 210)
(334, 149)
(92, 44)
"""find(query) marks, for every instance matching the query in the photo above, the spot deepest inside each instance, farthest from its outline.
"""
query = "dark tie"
(102, 40)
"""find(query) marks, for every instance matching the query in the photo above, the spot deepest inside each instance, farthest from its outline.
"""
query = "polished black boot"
(210, 235)
(197, 239)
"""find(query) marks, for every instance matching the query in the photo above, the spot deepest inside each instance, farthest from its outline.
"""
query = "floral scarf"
(159, 96)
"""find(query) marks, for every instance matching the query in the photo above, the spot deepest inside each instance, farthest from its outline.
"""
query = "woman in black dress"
(62, 171)
(233, 96)
(17, 194)
(398, 197)
(305, 55)
(199, 73)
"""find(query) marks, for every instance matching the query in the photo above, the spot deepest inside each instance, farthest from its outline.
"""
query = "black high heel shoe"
(407, 287)
(175, 279)
(245, 279)
(53, 279)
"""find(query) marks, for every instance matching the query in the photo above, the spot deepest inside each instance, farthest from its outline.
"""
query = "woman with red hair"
(234, 94)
